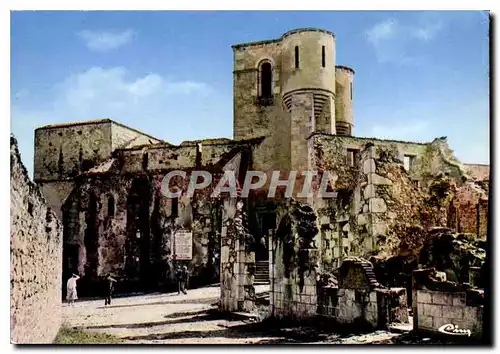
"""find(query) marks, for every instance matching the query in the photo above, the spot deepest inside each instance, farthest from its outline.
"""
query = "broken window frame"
(352, 157)
(411, 162)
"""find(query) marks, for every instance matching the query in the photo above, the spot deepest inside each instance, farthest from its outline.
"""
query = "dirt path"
(194, 319)
(163, 318)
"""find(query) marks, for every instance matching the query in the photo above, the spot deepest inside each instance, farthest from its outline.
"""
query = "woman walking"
(71, 294)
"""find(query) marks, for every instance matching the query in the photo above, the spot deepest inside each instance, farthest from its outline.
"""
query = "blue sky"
(419, 75)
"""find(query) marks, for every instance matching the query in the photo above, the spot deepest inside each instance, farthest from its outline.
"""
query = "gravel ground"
(162, 318)
(193, 319)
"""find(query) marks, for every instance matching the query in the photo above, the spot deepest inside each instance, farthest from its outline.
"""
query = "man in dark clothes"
(109, 289)
(181, 275)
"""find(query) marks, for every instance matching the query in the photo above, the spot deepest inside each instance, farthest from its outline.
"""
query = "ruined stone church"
(293, 111)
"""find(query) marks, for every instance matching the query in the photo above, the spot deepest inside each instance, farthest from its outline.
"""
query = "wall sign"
(182, 245)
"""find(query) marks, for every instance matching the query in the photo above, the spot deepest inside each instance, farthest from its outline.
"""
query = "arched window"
(266, 80)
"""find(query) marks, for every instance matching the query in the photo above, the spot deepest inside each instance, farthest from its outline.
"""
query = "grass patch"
(73, 336)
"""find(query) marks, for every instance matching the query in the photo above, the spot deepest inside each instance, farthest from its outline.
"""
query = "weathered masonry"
(293, 111)
(35, 260)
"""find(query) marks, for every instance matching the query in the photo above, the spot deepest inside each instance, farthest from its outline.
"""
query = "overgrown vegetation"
(72, 336)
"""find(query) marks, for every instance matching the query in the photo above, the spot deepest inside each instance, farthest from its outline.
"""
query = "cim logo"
(454, 330)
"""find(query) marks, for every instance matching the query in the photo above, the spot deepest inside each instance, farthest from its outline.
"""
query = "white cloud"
(395, 42)
(104, 93)
(102, 41)
(381, 31)
(427, 32)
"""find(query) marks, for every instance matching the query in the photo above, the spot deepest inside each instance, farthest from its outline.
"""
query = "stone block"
(420, 310)
(224, 254)
(373, 297)
(362, 219)
(471, 312)
(442, 298)
(424, 297)
(378, 180)
(368, 243)
(432, 310)
(377, 205)
(459, 299)
(425, 322)
(369, 191)
(453, 311)
(369, 166)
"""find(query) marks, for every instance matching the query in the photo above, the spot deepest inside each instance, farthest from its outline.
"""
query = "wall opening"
(350, 88)
(91, 238)
(352, 157)
(323, 59)
(111, 206)
(145, 160)
(296, 57)
(266, 80)
(175, 207)
(408, 162)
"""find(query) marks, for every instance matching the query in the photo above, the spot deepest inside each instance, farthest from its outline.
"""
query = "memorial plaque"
(183, 245)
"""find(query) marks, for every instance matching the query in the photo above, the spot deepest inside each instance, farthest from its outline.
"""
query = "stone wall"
(36, 259)
(295, 263)
(384, 207)
(446, 304)
(63, 151)
(360, 300)
(237, 260)
(118, 220)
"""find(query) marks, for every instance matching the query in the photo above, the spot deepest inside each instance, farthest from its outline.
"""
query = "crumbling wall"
(133, 236)
(36, 258)
(118, 219)
(383, 208)
(358, 299)
(295, 262)
(469, 209)
(237, 259)
(64, 150)
(454, 254)
(375, 195)
(442, 307)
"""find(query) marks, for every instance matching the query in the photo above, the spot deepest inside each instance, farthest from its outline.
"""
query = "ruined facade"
(293, 111)
(35, 260)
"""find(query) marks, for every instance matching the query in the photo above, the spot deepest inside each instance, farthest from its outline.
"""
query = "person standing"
(184, 279)
(109, 289)
(71, 294)
(178, 276)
